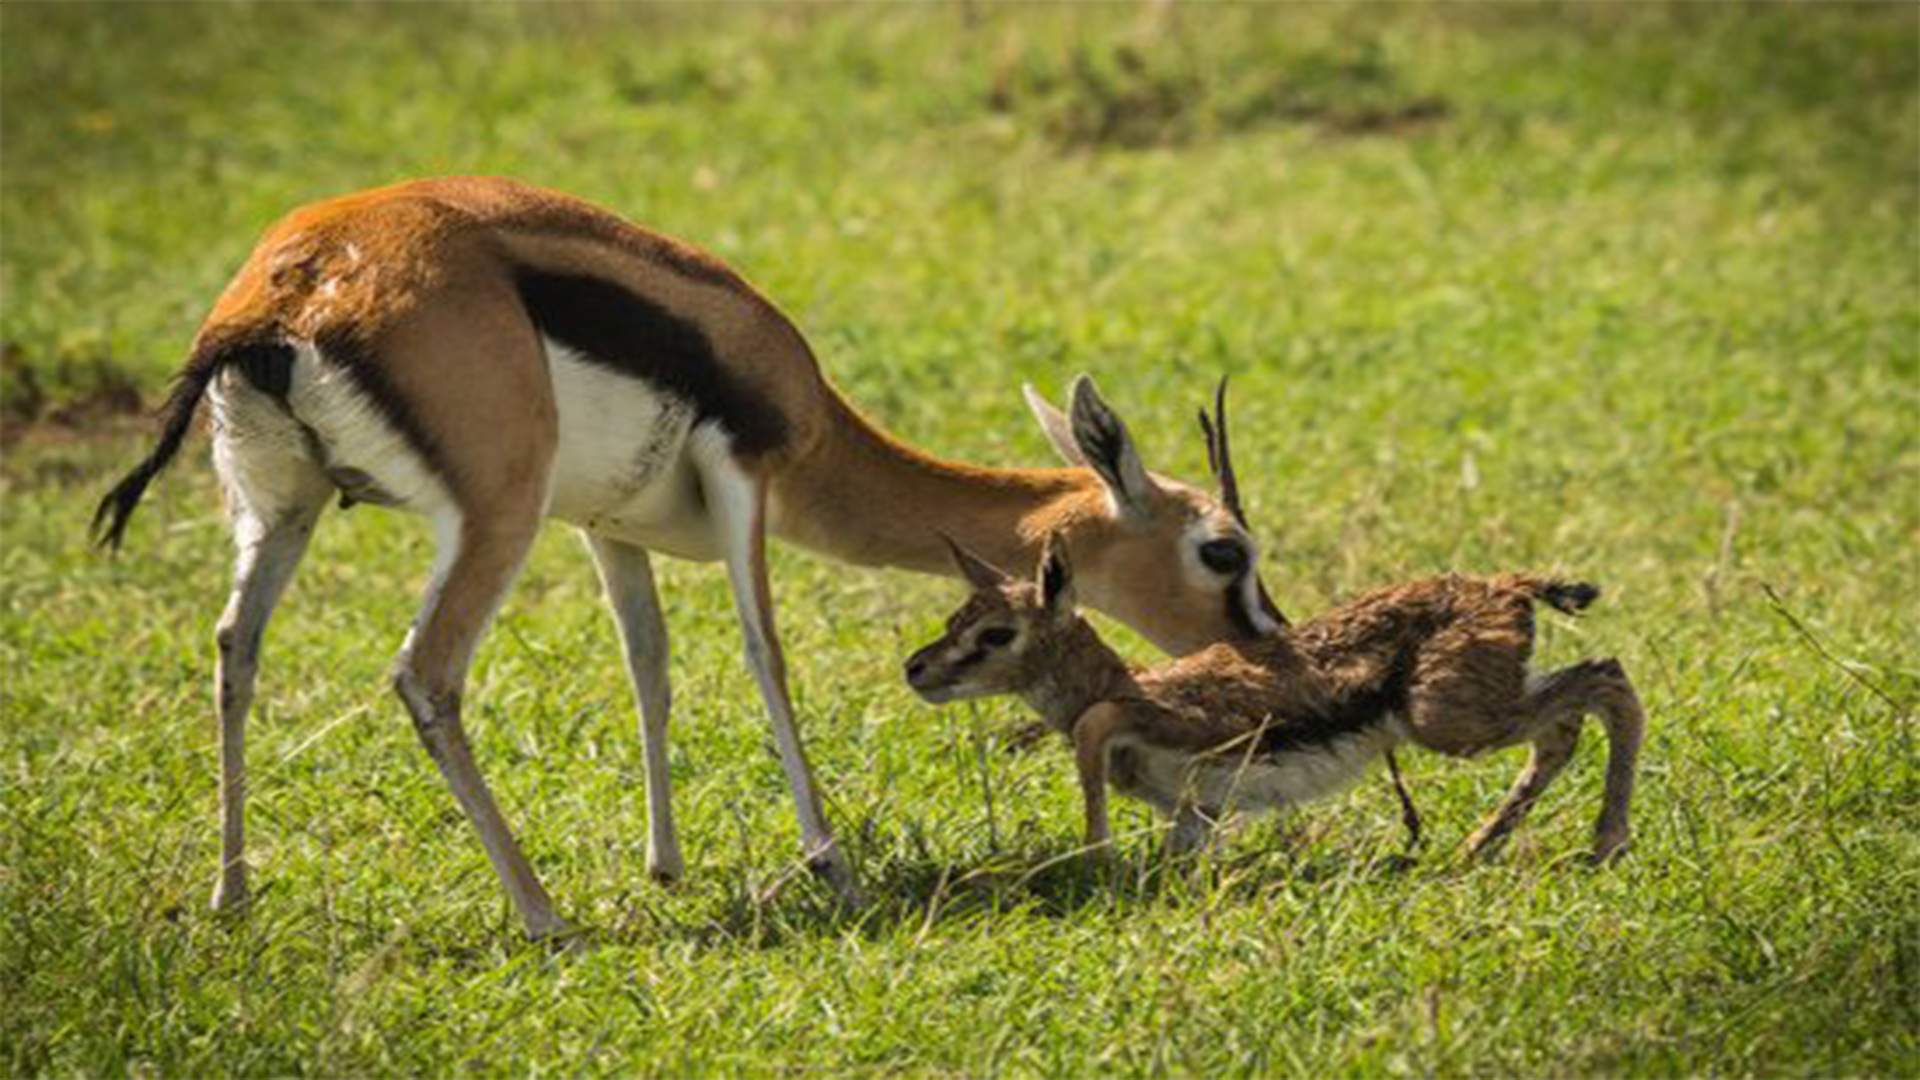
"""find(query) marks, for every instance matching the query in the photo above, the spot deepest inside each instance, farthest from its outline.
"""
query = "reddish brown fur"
(419, 293)
(420, 276)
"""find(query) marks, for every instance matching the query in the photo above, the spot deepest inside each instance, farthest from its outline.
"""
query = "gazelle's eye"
(995, 637)
(1224, 556)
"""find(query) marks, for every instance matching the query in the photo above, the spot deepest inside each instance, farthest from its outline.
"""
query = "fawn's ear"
(1055, 577)
(1056, 426)
(978, 572)
(1107, 448)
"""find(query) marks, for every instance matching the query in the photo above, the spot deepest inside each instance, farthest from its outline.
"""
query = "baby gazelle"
(1260, 724)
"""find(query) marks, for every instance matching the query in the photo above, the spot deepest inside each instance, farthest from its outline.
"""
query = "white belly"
(622, 468)
(1226, 783)
(334, 436)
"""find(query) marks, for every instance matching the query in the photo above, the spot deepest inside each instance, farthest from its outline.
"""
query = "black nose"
(916, 667)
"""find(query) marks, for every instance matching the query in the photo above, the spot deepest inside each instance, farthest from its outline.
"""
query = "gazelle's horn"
(1219, 456)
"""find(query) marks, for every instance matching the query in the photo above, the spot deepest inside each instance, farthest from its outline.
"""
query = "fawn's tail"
(1572, 597)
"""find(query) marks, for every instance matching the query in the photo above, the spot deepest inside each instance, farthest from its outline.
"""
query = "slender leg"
(1191, 830)
(269, 554)
(1626, 724)
(1552, 748)
(1409, 816)
(1556, 709)
(432, 671)
(737, 501)
(627, 575)
(1092, 736)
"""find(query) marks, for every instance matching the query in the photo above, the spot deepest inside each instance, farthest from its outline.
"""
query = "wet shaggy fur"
(1442, 662)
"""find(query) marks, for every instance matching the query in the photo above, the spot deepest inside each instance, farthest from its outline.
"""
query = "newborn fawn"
(1263, 723)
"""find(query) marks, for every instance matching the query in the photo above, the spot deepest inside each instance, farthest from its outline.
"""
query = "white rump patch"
(357, 439)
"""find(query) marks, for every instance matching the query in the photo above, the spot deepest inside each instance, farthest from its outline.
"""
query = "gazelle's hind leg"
(1555, 710)
(269, 554)
(275, 495)
(737, 500)
(1554, 738)
(1614, 698)
(627, 575)
(477, 561)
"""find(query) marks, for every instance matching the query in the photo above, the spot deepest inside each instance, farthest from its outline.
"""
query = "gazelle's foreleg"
(270, 551)
(477, 562)
(1191, 830)
(1093, 735)
(737, 500)
(627, 575)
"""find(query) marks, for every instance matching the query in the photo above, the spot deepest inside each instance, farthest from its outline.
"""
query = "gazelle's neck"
(864, 497)
(1078, 672)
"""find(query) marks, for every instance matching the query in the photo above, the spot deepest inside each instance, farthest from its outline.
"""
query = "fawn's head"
(1006, 634)
(1176, 563)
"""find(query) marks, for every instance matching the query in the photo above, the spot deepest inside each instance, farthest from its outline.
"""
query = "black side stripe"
(627, 333)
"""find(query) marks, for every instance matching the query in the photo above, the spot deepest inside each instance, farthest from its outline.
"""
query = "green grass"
(1636, 297)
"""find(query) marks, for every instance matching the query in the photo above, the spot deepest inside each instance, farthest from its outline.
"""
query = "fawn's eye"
(995, 637)
(1224, 556)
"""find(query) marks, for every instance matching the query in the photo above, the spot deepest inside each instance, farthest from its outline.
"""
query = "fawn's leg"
(1093, 735)
(627, 576)
(1552, 713)
(1554, 740)
(1191, 830)
(1613, 697)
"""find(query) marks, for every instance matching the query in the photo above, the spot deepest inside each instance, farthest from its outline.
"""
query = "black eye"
(1224, 556)
(995, 637)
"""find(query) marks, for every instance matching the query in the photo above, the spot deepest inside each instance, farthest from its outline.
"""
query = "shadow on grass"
(915, 895)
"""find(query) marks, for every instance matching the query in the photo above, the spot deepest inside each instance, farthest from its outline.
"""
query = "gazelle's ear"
(978, 572)
(1108, 449)
(1055, 576)
(1058, 429)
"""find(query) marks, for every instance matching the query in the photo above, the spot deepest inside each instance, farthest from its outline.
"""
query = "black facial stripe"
(971, 658)
(1237, 612)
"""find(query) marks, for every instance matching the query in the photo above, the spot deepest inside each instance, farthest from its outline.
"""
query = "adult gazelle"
(489, 355)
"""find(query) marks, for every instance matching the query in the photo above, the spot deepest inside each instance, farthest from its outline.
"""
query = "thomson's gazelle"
(489, 354)
(1262, 724)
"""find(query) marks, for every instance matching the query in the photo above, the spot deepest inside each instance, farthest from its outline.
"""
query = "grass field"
(1629, 290)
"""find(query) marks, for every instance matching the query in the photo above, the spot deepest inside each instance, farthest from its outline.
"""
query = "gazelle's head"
(1009, 635)
(1175, 563)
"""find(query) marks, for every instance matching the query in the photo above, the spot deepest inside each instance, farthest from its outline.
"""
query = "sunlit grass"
(1640, 302)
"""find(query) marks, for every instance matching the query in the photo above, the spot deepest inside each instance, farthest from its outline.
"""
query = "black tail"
(264, 363)
(1571, 597)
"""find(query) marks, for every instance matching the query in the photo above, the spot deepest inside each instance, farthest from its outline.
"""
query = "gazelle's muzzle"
(929, 677)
